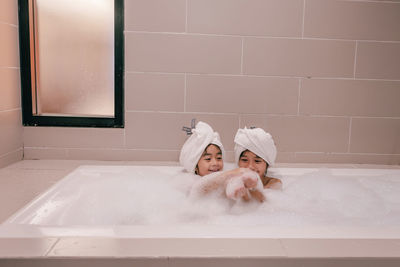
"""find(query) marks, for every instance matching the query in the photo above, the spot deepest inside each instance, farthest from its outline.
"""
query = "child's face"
(250, 160)
(210, 161)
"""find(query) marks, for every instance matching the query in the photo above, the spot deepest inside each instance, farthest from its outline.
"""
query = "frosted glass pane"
(74, 45)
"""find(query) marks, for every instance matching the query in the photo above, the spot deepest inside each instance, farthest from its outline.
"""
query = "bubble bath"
(311, 198)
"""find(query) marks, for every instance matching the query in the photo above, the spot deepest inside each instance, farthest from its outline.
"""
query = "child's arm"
(236, 183)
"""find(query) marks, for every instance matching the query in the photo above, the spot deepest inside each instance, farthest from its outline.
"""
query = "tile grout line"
(241, 57)
(124, 133)
(186, 16)
(298, 97)
(262, 76)
(11, 110)
(7, 154)
(184, 93)
(265, 37)
(264, 114)
(284, 249)
(9, 24)
(355, 61)
(350, 128)
(304, 15)
(46, 254)
(177, 150)
(13, 68)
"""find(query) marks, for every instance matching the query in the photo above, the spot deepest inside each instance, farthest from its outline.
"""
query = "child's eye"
(219, 158)
(207, 159)
(243, 159)
(258, 161)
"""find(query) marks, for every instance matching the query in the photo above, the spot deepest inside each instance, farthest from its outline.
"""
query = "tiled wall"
(322, 76)
(10, 107)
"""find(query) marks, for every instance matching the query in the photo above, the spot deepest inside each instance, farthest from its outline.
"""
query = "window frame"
(29, 119)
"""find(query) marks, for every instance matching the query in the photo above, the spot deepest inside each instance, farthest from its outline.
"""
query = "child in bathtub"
(255, 149)
(202, 154)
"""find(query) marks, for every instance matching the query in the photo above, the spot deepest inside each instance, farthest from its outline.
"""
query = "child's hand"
(257, 195)
(235, 189)
(244, 184)
(250, 178)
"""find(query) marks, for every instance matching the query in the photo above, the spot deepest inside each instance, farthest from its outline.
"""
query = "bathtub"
(91, 211)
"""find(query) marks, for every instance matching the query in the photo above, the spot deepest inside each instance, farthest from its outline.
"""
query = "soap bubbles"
(158, 195)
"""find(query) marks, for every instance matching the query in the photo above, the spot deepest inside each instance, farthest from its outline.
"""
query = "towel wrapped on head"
(193, 148)
(257, 141)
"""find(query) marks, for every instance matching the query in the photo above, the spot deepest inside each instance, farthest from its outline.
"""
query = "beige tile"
(10, 89)
(158, 92)
(296, 57)
(11, 157)
(155, 130)
(341, 248)
(9, 11)
(350, 97)
(51, 164)
(316, 165)
(376, 166)
(243, 17)
(9, 46)
(31, 153)
(303, 134)
(163, 131)
(84, 262)
(124, 154)
(155, 15)
(354, 20)
(285, 157)
(375, 135)
(163, 248)
(347, 158)
(11, 131)
(283, 262)
(230, 156)
(25, 247)
(241, 94)
(182, 53)
(378, 60)
(19, 187)
(64, 137)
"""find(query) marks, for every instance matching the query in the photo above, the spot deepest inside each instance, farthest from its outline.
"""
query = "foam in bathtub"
(157, 195)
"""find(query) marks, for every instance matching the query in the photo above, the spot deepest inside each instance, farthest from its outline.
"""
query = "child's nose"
(252, 166)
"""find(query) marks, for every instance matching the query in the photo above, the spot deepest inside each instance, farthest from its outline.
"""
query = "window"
(72, 62)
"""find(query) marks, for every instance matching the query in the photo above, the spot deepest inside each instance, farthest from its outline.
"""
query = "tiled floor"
(23, 181)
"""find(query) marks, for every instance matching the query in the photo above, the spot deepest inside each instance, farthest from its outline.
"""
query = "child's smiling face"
(211, 161)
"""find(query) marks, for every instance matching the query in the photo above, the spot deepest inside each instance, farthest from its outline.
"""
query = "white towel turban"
(257, 141)
(193, 148)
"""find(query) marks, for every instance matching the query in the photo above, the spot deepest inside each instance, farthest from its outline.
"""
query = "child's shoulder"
(273, 183)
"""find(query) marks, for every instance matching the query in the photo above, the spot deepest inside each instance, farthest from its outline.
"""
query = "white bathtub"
(92, 200)
(51, 229)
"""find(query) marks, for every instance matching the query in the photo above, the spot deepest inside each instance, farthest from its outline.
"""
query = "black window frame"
(29, 119)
